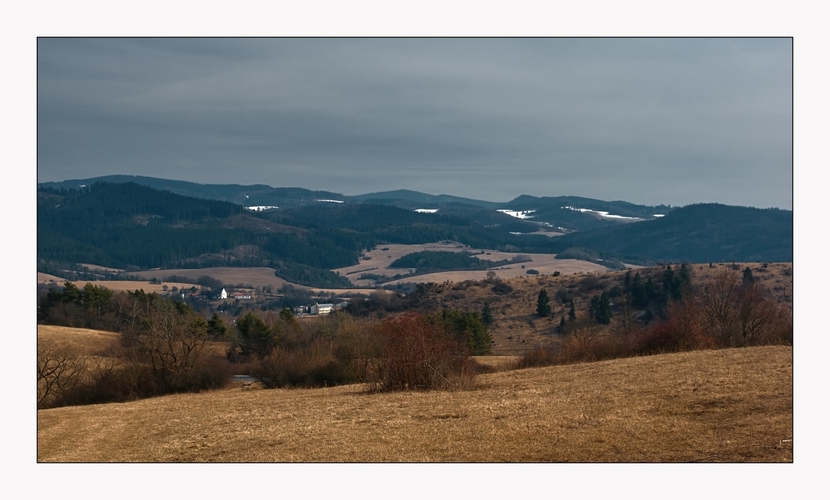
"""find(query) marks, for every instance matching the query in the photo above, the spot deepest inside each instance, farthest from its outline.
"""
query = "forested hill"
(251, 195)
(133, 227)
(565, 212)
(414, 199)
(696, 233)
(130, 226)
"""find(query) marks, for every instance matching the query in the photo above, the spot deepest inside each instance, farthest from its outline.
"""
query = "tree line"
(650, 316)
(167, 347)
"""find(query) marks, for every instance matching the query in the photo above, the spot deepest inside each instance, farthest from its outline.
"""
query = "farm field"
(251, 277)
(733, 405)
(377, 261)
(114, 285)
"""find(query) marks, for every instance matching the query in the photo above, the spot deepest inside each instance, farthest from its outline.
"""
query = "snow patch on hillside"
(519, 214)
(603, 214)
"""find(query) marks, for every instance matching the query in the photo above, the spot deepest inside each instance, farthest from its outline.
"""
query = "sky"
(647, 120)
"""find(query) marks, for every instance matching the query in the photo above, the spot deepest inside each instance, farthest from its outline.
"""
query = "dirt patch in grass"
(706, 406)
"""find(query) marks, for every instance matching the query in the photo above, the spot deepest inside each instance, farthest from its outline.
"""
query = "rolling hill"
(134, 226)
(696, 233)
(733, 405)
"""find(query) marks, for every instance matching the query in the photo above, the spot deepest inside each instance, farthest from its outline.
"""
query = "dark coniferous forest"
(132, 226)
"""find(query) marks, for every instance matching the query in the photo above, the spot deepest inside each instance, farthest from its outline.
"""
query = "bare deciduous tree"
(59, 371)
(737, 313)
(169, 337)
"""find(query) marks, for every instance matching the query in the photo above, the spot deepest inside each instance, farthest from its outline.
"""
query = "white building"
(322, 308)
(223, 294)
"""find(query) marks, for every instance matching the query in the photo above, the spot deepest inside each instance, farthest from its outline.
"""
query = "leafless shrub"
(738, 314)
(309, 367)
(421, 355)
(537, 356)
(59, 372)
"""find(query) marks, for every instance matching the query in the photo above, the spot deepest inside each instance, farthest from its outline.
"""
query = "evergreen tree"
(639, 296)
(468, 328)
(599, 309)
(543, 304)
(71, 294)
(286, 314)
(651, 291)
(572, 312)
(604, 312)
(684, 275)
(254, 336)
(748, 279)
(216, 327)
(486, 314)
(668, 281)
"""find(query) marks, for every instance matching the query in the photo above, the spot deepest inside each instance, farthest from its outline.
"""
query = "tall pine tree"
(486, 314)
(543, 304)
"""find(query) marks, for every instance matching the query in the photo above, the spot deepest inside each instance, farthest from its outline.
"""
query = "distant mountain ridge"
(706, 232)
(140, 222)
(422, 199)
(250, 195)
(551, 210)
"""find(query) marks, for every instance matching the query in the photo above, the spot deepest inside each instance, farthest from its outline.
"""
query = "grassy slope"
(517, 328)
(730, 405)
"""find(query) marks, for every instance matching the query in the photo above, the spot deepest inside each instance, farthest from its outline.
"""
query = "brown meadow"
(733, 405)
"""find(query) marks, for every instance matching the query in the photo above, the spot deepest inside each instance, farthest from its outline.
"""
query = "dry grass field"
(249, 276)
(90, 342)
(732, 405)
(114, 285)
(94, 342)
(377, 262)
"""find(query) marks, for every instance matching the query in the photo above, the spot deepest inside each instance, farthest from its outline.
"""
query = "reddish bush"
(420, 354)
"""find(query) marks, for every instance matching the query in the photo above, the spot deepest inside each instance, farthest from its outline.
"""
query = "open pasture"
(378, 259)
(732, 405)
(91, 342)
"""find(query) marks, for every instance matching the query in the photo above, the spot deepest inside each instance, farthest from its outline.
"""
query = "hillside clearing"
(378, 259)
(732, 405)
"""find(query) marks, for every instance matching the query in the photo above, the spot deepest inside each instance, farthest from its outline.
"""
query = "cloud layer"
(652, 121)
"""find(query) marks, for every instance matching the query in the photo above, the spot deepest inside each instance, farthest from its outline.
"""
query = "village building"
(322, 308)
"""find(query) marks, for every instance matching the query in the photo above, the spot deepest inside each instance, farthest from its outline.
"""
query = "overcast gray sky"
(651, 121)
